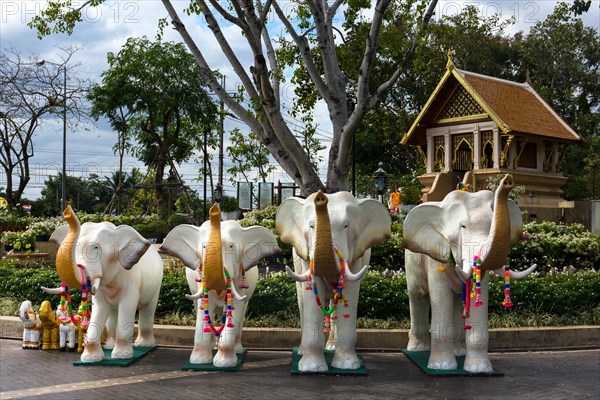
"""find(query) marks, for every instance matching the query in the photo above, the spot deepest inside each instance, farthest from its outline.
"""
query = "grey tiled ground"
(266, 375)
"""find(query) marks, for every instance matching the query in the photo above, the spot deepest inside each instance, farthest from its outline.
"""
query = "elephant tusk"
(96, 285)
(196, 296)
(295, 276)
(464, 273)
(522, 274)
(52, 290)
(350, 277)
(236, 295)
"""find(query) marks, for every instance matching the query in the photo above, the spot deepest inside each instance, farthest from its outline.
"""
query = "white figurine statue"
(66, 328)
(31, 326)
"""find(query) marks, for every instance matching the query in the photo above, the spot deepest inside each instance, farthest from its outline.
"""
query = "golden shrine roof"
(515, 107)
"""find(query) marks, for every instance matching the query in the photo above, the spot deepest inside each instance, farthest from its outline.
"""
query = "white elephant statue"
(32, 326)
(331, 237)
(126, 274)
(444, 240)
(66, 329)
(220, 254)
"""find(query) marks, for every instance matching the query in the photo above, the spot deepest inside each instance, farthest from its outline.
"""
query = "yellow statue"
(50, 323)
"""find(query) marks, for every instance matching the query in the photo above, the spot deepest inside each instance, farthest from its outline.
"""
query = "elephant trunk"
(496, 247)
(66, 266)
(214, 277)
(325, 265)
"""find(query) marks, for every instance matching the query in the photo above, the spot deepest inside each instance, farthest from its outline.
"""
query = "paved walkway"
(40, 374)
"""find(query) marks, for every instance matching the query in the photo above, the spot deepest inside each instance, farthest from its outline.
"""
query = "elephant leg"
(477, 358)
(203, 343)
(238, 320)
(330, 345)
(126, 320)
(459, 344)
(145, 337)
(226, 357)
(419, 304)
(71, 338)
(345, 345)
(313, 339)
(63, 337)
(92, 351)
(443, 328)
(111, 329)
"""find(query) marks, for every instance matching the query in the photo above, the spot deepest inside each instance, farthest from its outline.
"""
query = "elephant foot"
(442, 361)
(145, 341)
(110, 343)
(92, 352)
(201, 355)
(311, 362)
(225, 359)
(460, 351)
(478, 365)
(238, 348)
(417, 345)
(122, 350)
(345, 360)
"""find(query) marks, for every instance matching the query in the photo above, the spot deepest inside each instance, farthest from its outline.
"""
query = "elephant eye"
(345, 226)
(231, 246)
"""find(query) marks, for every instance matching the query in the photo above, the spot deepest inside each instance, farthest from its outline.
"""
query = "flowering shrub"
(555, 247)
(264, 218)
(21, 241)
(13, 218)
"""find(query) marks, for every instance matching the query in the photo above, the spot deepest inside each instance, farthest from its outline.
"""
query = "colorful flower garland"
(227, 318)
(472, 290)
(338, 288)
(65, 301)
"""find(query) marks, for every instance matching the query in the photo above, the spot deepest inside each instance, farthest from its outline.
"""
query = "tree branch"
(304, 48)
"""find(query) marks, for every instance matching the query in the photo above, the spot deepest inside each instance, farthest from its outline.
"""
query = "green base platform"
(138, 352)
(210, 367)
(421, 358)
(362, 371)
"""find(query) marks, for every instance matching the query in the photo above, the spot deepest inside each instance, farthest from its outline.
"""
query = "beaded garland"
(85, 298)
(472, 290)
(227, 318)
(337, 287)
(65, 300)
(507, 302)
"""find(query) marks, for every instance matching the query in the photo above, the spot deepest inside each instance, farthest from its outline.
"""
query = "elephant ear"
(131, 245)
(59, 234)
(258, 242)
(423, 232)
(289, 225)
(185, 242)
(375, 227)
(516, 222)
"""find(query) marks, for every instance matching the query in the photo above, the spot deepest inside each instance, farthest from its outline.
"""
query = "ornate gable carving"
(460, 104)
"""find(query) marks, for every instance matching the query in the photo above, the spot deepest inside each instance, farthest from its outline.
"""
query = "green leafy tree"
(155, 97)
(563, 56)
(89, 195)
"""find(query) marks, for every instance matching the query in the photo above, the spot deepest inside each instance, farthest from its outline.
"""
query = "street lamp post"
(380, 181)
(63, 202)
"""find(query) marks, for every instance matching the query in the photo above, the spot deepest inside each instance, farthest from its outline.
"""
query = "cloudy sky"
(106, 28)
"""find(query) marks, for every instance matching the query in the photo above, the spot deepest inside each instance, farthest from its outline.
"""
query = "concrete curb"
(568, 337)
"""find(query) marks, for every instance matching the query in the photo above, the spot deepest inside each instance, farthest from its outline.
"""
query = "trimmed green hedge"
(557, 247)
(383, 294)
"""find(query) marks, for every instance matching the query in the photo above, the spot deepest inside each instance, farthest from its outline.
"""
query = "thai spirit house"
(474, 127)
